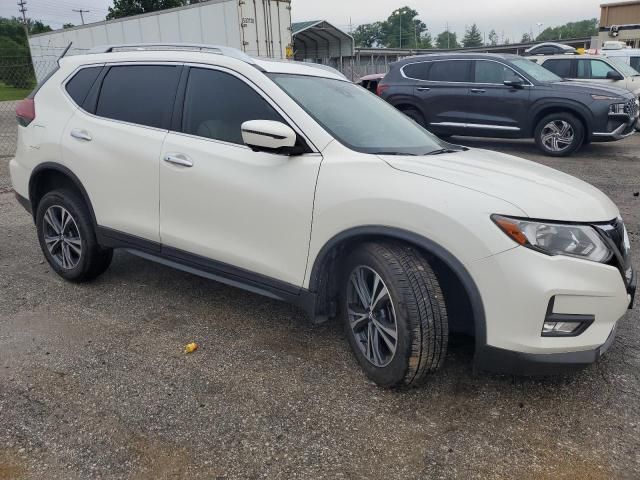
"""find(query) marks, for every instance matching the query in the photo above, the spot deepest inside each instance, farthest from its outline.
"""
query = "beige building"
(620, 21)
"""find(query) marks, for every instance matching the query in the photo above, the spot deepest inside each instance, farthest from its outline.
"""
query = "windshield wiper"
(440, 151)
(394, 153)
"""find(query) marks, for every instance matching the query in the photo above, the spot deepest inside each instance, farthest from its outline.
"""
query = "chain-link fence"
(17, 79)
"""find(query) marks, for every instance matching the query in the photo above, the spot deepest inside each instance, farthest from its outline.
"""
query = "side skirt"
(208, 268)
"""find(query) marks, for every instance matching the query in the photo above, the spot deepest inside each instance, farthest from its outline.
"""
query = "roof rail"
(198, 47)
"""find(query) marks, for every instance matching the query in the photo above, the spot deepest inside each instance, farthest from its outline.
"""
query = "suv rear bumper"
(24, 202)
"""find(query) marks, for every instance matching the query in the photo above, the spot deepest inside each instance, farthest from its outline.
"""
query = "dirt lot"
(93, 382)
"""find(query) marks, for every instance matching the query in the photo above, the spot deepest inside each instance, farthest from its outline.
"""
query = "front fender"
(554, 104)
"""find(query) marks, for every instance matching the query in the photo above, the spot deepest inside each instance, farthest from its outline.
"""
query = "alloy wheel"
(372, 316)
(62, 237)
(558, 135)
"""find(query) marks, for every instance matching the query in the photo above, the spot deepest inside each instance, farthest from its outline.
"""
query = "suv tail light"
(26, 111)
(381, 88)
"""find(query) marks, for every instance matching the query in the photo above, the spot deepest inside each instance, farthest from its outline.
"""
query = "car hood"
(590, 88)
(540, 192)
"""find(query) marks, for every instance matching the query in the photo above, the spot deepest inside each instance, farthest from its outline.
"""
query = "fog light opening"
(560, 328)
(564, 324)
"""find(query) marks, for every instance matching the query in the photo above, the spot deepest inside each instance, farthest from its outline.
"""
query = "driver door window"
(593, 69)
(492, 73)
(216, 104)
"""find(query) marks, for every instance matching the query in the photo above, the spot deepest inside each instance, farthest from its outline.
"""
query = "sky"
(510, 18)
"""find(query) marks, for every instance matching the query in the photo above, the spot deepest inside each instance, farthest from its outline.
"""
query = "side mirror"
(613, 75)
(269, 136)
(515, 82)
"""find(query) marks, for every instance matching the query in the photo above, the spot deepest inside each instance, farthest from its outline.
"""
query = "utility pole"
(448, 37)
(22, 4)
(81, 12)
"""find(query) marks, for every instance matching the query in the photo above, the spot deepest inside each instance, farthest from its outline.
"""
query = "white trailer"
(260, 28)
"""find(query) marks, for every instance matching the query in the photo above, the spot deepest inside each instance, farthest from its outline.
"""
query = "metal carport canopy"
(319, 39)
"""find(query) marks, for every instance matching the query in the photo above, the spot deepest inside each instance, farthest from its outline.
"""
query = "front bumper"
(518, 286)
(498, 360)
(623, 131)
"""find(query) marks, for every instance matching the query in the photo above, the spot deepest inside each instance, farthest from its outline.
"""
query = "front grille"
(631, 108)
(614, 232)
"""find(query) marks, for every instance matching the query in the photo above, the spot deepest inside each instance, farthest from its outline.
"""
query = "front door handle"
(178, 159)
(478, 90)
(423, 89)
(81, 134)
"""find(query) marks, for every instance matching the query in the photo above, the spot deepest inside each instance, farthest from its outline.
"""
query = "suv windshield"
(622, 67)
(535, 71)
(357, 118)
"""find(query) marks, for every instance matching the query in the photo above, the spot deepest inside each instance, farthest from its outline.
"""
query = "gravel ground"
(94, 384)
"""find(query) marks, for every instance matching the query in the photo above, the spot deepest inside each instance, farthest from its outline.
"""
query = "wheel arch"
(574, 109)
(328, 258)
(50, 175)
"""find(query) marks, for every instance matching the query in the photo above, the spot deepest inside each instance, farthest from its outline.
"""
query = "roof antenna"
(64, 53)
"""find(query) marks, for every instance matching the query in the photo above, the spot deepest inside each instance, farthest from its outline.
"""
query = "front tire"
(394, 313)
(559, 134)
(67, 237)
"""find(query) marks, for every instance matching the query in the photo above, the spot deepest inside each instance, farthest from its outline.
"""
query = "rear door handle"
(81, 134)
(478, 90)
(423, 89)
(178, 159)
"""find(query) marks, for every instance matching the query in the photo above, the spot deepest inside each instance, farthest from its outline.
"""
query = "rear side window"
(561, 67)
(635, 63)
(216, 104)
(450, 71)
(78, 87)
(142, 94)
(419, 71)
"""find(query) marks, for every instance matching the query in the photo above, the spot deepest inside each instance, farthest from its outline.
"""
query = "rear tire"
(402, 337)
(415, 115)
(559, 134)
(67, 237)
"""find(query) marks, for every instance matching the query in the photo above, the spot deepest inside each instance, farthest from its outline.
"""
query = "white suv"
(290, 181)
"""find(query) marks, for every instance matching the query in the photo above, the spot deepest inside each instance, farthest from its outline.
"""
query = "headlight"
(581, 241)
(617, 109)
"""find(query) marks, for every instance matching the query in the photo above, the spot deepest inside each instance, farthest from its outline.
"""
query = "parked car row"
(509, 96)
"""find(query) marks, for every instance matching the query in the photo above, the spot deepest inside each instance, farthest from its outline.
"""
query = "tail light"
(381, 88)
(26, 111)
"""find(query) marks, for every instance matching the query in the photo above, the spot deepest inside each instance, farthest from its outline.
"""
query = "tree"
(526, 38)
(126, 8)
(493, 38)
(447, 40)
(36, 26)
(472, 37)
(583, 28)
(12, 29)
(368, 35)
(403, 29)
(68, 25)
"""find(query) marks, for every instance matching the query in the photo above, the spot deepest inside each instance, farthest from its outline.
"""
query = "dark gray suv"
(491, 95)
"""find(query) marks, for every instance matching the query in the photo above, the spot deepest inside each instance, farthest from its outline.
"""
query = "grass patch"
(11, 93)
